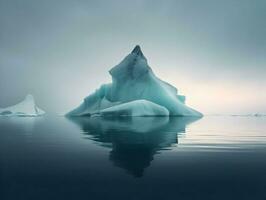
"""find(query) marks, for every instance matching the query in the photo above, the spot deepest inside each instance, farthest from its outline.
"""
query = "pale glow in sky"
(220, 97)
(61, 51)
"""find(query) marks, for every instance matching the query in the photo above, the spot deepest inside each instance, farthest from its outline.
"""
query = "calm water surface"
(139, 158)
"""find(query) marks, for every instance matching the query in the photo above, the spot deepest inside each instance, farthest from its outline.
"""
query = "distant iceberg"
(259, 115)
(26, 108)
(134, 91)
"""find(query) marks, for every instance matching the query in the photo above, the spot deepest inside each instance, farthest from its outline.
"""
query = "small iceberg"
(259, 115)
(135, 91)
(26, 108)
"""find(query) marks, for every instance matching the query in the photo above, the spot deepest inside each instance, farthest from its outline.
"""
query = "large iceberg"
(25, 108)
(134, 91)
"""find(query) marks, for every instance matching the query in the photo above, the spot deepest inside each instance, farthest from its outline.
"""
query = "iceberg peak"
(132, 66)
(137, 51)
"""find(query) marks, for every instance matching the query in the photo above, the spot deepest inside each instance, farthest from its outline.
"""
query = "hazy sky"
(213, 51)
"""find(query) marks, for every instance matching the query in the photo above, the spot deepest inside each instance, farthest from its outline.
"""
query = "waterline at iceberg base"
(135, 91)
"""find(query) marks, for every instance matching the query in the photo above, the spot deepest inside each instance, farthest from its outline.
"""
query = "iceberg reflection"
(134, 141)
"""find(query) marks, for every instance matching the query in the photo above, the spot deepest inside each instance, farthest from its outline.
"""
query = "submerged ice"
(135, 91)
(25, 108)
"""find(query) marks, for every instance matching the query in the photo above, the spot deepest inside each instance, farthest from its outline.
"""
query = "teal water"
(133, 158)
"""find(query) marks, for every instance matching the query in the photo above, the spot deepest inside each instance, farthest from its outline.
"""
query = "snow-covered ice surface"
(26, 108)
(135, 108)
(133, 80)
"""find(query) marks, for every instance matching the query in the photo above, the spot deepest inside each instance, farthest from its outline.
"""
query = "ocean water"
(52, 157)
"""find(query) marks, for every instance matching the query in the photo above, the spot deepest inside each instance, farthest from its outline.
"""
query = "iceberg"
(136, 91)
(259, 115)
(26, 108)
